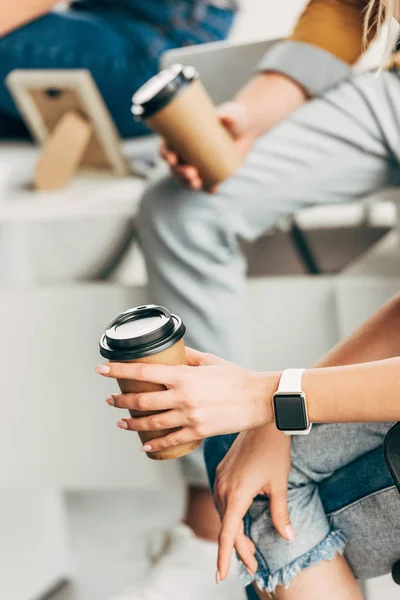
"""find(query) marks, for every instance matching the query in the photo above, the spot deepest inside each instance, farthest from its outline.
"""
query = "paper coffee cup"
(147, 334)
(176, 105)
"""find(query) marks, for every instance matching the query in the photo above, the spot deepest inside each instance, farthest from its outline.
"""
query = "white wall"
(266, 19)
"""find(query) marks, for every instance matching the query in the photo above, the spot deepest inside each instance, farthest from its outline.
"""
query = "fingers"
(232, 535)
(181, 436)
(161, 374)
(234, 117)
(202, 359)
(251, 545)
(168, 155)
(166, 420)
(189, 175)
(149, 401)
(245, 550)
(280, 515)
(228, 121)
(230, 528)
(194, 357)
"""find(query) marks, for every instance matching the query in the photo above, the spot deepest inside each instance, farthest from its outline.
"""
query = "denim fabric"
(341, 497)
(119, 42)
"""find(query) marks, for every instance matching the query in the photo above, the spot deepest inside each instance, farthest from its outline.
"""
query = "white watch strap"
(291, 380)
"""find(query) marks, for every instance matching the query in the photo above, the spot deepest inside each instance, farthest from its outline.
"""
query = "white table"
(63, 235)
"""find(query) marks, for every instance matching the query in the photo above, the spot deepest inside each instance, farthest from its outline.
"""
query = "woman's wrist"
(271, 384)
(265, 386)
(307, 388)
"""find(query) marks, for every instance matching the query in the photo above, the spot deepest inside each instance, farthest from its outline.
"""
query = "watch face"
(290, 412)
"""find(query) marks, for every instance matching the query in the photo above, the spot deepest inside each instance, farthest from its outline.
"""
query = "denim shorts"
(118, 41)
(341, 499)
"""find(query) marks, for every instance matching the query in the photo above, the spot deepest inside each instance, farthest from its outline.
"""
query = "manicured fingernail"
(103, 369)
(110, 400)
(289, 533)
(122, 425)
(146, 448)
(217, 577)
(250, 572)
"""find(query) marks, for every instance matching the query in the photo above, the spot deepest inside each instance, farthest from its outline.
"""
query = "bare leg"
(201, 515)
(263, 595)
(330, 580)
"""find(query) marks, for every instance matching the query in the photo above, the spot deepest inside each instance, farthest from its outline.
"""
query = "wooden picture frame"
(66, 114)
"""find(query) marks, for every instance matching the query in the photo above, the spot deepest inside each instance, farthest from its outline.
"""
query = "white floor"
(109, 533)
(109, 536)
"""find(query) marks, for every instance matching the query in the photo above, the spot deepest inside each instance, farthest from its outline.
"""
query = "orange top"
(336, 26)
(326, 41)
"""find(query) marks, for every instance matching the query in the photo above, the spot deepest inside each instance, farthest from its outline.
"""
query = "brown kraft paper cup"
(175, 355)
(190, 125)
(147, 334)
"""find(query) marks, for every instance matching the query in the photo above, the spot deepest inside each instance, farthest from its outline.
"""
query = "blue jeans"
(118, 41)
(341, 498)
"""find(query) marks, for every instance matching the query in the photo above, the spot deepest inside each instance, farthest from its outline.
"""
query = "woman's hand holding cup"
(208, 397)
(234, 117)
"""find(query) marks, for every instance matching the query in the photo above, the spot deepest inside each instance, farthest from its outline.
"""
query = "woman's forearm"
(359, 389)
(269, 98)
(354, 393)
(211, 396)
(15, 14)
(376, 339)
(359, 379)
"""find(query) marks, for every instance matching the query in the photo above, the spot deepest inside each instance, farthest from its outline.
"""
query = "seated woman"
(118, 41)
(341, 145)
(267, 484)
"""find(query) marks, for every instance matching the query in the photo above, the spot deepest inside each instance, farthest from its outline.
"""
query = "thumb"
(201, 359)
(234, 118)
(280, 515)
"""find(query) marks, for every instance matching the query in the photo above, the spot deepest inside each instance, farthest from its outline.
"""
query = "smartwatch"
(290, 405)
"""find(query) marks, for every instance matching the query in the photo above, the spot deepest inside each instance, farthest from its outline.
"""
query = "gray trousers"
(336, 148)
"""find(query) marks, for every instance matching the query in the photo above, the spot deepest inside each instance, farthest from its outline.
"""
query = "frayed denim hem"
(333, 544)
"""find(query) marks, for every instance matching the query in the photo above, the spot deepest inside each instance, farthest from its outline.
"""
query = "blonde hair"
(377, 14)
